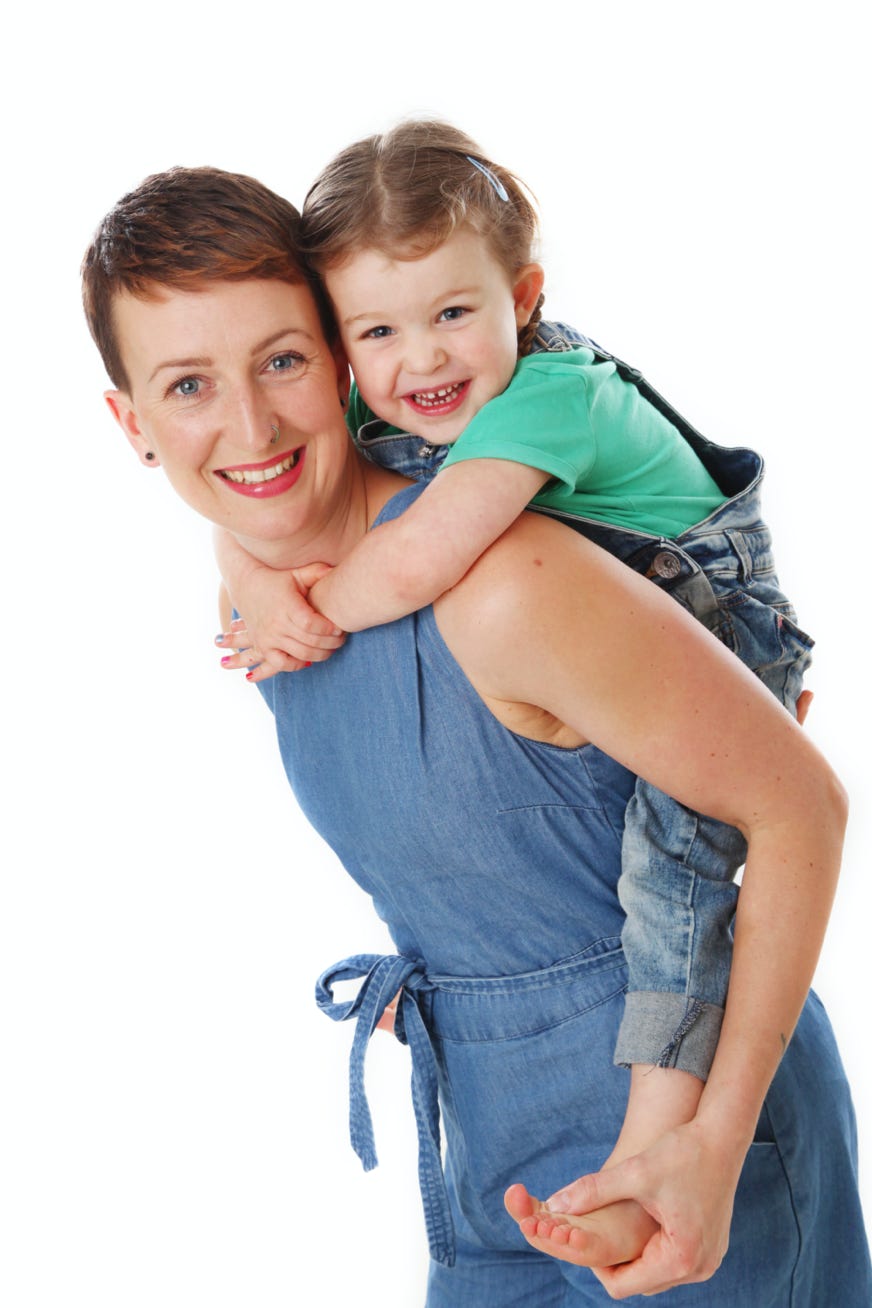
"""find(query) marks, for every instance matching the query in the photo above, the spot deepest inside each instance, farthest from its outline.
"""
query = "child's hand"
(281, 632)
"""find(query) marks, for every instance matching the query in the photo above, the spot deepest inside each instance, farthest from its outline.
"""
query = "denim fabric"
(407, 455)
(678, 887)
(797, 1237)
(528, 1092)
(494, 861)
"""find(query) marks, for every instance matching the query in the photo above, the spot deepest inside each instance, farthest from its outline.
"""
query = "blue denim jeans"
(678, 873)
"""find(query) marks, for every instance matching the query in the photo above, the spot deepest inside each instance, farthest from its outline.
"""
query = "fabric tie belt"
(383, 975)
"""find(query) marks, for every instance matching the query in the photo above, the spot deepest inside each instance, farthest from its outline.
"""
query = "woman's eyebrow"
(277, 336)
(180, 363)
(203, 362)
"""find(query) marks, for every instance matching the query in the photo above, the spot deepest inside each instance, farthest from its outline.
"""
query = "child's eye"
(452, 314)
(378, 333)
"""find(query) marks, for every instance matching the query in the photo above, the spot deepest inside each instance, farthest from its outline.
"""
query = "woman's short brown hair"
(405, 192)
(183, 228)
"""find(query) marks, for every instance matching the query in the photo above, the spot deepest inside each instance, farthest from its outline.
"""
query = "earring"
(149, 455)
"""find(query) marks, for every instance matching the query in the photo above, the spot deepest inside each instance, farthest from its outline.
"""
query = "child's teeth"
(426, 398)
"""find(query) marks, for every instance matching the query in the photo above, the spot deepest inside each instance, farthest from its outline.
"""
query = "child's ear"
(526, 289)
(124, 414)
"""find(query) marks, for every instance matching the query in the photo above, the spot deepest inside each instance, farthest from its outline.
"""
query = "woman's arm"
(552, 631)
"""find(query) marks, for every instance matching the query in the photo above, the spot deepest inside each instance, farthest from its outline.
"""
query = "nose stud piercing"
(275, 434)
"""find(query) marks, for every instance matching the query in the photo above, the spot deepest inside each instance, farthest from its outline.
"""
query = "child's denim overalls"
(678, 867)
(494, 861)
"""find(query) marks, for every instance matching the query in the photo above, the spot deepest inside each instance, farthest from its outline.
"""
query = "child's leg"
(615, 1234)
(677, 890)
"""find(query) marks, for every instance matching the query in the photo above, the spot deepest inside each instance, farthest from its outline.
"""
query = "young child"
(425, 247)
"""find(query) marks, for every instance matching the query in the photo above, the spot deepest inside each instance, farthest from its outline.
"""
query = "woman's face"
(214, 374)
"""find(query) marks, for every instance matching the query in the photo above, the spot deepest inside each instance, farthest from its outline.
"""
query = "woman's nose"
(252, 423)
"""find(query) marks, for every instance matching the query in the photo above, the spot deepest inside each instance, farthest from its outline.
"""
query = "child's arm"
(406, 564)
(283, 632)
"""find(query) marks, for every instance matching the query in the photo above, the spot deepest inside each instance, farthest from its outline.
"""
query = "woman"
(454, 761)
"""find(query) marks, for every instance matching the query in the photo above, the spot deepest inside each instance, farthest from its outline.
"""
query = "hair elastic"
(494, 181)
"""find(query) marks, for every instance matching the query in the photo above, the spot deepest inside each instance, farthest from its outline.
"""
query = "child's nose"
(424, 354)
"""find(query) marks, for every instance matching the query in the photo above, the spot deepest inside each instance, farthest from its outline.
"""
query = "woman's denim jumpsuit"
(677, 885)
(494, 860)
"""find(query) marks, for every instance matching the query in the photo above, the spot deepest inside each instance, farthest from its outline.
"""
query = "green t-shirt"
(611, 455)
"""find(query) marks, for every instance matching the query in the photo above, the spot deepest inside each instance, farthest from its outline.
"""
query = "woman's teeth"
(254, 475)
(429, 399)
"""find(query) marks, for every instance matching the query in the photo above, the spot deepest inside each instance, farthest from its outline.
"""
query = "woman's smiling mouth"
(263, 480)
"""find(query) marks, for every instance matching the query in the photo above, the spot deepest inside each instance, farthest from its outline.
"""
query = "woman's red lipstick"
(262, 481)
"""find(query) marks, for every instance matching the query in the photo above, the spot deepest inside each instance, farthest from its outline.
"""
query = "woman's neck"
(368, 489)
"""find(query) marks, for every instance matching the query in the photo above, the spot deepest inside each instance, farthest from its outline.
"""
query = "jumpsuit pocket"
(760, 1266)
(532, 1094)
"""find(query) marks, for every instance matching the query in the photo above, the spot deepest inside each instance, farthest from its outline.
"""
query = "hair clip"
(494, 181)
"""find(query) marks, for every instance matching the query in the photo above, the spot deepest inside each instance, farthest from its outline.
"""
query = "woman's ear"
(526, 289)
(125, 415)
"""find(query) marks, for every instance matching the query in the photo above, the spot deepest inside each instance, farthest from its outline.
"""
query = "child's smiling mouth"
(440, 400)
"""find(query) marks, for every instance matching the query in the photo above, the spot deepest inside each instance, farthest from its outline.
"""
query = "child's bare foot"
(615, 1234)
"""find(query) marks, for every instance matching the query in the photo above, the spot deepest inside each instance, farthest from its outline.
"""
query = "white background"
(172, 1106)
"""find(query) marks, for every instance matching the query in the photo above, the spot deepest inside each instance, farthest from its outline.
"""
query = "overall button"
(665, 565)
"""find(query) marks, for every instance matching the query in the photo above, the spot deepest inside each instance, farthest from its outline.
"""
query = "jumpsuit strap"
(382, 976)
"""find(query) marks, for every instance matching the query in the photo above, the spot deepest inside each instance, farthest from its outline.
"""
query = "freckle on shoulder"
(537, 563)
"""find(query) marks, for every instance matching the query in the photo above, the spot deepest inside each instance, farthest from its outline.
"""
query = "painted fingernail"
(225, 660)
(249, 676)
(219, 639)
(307, 665)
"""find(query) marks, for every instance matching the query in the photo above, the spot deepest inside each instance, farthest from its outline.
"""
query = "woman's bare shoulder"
(530, 566)
(535, 584)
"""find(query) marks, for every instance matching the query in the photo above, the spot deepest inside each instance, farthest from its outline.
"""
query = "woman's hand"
(281, 632)
(685, 1188)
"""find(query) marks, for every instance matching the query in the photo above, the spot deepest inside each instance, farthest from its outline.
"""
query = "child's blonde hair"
(405, 192)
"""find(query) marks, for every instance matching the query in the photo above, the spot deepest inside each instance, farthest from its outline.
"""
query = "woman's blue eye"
(379, 333)
(285, 362)
(187, 386)
(452, 314)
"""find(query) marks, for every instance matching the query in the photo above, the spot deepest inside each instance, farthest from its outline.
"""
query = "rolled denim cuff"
(669, 1031)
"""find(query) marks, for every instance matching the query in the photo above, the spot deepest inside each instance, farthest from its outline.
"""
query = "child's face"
(431, 340)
